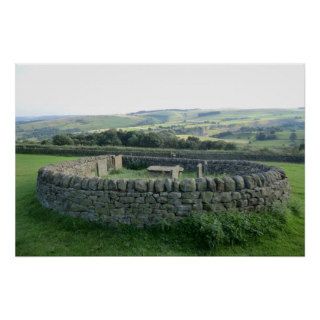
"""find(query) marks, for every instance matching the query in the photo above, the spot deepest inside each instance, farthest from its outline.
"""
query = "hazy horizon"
(123, 114)
(66, 90)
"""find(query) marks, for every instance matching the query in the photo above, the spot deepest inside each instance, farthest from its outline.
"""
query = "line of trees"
(139, 138)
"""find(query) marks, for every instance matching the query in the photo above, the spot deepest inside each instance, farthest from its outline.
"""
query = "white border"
(167, 32)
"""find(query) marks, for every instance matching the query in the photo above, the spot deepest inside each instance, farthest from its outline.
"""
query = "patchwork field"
(237, 126)
(41, 232)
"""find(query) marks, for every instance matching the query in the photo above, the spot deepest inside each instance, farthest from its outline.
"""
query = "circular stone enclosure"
(75, 188)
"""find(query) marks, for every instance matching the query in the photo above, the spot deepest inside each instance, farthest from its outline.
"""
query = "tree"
(151, 140)
(293, 136)
(109, 137)
(61, 140)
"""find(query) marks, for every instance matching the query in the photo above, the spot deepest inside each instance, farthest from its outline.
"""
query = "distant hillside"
(43, 127)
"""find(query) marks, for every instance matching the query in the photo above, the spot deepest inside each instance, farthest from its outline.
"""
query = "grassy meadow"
(42, 232)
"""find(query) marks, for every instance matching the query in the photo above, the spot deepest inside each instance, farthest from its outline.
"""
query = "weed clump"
(212, 229)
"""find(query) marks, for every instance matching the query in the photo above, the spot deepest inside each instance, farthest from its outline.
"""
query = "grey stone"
(257, 180)
(122, 184)
(211, 184)
(162, 199)
(176, 184)
(239, 182)
(100, 184)
(141, 185)
(140, 200)
(199, 170)
(219, 184)
(236, 196)
(93, 183)
(151, 185)
(229, 184)
(130, 185)
(226, 197)
(112, 184)
(168, 184)
(206, 196)
(159, 185)
(76, 182)
(201, 184)
(66, 181)
(174, 195)
(190, 195)
(249, 182)
(188, 185)
(127, 199)
(184, 210)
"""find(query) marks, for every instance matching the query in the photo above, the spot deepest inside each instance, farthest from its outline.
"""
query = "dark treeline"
(139, 138)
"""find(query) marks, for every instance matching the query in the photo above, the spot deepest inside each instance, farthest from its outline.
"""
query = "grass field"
(41, 232)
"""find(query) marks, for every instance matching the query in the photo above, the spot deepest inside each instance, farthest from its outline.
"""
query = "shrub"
(211, 230)
(61, 140)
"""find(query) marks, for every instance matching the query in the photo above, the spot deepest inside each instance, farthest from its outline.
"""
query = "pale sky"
(110, 89)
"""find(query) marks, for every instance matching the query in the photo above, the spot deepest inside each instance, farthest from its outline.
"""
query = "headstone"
(118, 162)
(102, 167)
(199, 170)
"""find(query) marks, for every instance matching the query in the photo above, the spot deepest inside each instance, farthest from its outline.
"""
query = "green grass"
(42, 232)
(144, 174)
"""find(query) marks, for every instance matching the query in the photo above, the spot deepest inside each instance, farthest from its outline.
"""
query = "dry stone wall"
(73, 188)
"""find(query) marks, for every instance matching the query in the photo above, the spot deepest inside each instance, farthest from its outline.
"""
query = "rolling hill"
(215, 120)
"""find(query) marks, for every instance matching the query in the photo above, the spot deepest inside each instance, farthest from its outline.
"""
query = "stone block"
(190, 195)
(141, 185)
(184, 210)
(201, 184)
(226, 197)
(257, 180)
(206, 196)
(100, 184)
(229, 184)
(151, 186)
(168, 184)
(188, 185)
(159, 185)
(174, 195)
(211, 184)
(219, 184)
(93, 183)
(249, 182)
(66, 181)
(122, 184)
(239, 182)
(176, 184)
(76, 182)
(130, 185)
(236, 196)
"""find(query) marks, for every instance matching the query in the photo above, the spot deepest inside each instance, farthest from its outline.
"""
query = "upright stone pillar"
(118, 162)
(102, 167)
(199, 170)
(205, 167)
